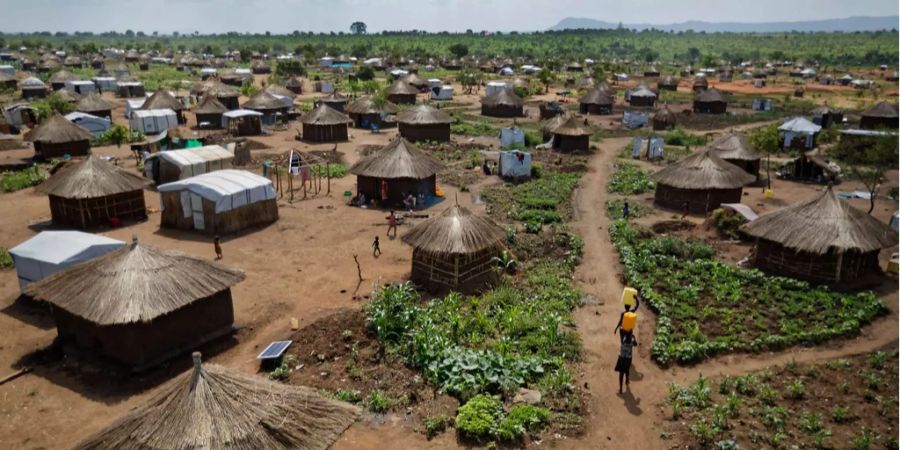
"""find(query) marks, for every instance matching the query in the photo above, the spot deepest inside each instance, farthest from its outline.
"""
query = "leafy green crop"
(21, 179)
(629, 179)
(479, 417)
(520, 419)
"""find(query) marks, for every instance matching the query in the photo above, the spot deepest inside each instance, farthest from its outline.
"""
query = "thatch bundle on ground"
(401, 92)
(334, 100)
(56, 137)
(823, 240)
(424, 123)
(712, 101)
(735, 148)
(140, 305)
(572, 134)
(455, 251)
(397, 169)
(664, 119)
(703, 180)
(598, 101)
(503, 103)
(325, 124)
(94, 105)
(92, 193)
(209, 110)
(882, 115)
(163, 99)
(212, 407)
(366, 111)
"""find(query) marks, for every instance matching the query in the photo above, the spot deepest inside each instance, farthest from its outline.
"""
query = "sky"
(285, 16)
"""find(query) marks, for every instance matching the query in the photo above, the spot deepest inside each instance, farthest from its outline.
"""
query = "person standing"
(685, 209)
(628, 318)
(376, 248)
(623, 364)
(392, 224)
(217, 245)
(626, 210)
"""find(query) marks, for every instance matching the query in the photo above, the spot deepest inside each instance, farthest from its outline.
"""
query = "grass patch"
(334, 170)
(540, 200)
(20, 179)
(683, 138)
(707, 307)
(6, 260)
(479, 128)
(629, 179)
(636, 209)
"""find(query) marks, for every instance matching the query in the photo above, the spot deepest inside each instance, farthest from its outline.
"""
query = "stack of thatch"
(703, 180)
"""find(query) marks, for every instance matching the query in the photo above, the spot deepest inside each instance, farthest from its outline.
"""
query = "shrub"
(365, 73)
(21, 179)
(629, 179)
(522, 418)
(283, 371)
(348, 395)
(727, 223)
(6, 261)
(435, 426)
(479, 417)
(377, 401)
(683, 138)
(840, 414)
(334, 170)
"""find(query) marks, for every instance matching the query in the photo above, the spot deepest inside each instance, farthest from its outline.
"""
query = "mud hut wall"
(774, 258)
(371, 188)
(874, 123)
(710, 107)
(642, 101)
(467, 273)
(92, 212)
(502, 111)
(142, 344)
(365, 121)
(700, 201)
(600, 110)
(571, 143)
(75, 148)
(325, 133)
(29, 94)
(402, 99)
(439, 132)
(229, 102)
(749, 166)
(214, 119)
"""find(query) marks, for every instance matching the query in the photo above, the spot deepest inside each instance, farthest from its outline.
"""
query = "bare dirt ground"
(302, 267)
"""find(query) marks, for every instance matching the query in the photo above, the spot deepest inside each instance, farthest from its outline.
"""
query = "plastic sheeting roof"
(241, 113)
(800, 125)
(193, 156)
(228, 189)
(57, 247)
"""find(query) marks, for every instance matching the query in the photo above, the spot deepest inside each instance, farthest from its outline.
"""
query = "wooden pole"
(291, 185)
(328, 175)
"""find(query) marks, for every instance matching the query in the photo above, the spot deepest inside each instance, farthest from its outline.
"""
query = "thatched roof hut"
(598, 101)
(642, 96)
(67, 95)
(32, 88)
(585, 83)
(823, 240)
(651, 72)
(503, 103)
(58, 80)
(93, 193)
(95, 105)
(163, 99)
(572, 134)
(882, 115)
(703, 180)
(826, 116)
(140, 305)
(424, 123)
(334, 100)
(366, 111)
(294, 85)
(700, 83)
(454, 251)
(56, 137)
(210, 406)
(227, 95)
(401, 92)
(667, 83)
(325, 124)
(261, 68)
(549, 125)
(414, 80)
(712, 101)
(664, 119)
(735, 148)
(397, 169)
(209, 110)
(278, 90)
(269, 105)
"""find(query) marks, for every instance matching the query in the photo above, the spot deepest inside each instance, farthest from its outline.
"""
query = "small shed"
(397, 169)
(882, 115)
(242, 122)
(424, 123)
(49, 252)
(642, 97)
(572, 134)
(130, 89)
(94, 105)
(33, 88)
(96, 125)
(56, 137)
(735, 148)
(269, 105)
(443, 92)
(455, 251)
(799, 133)
(152, 121)
(667, 83)
(162, 100)
(598, 101)
(703, 180)
(504, 103)
(822, 240)
(220, 202)
(140, 305)
(325, 124)
(401, 92)
(209, 112)
(515, 164)
(826, 116)
(366, 112)
(712, 101)
(493, 87)
(173, 165)
(814, 166)
(93, 193)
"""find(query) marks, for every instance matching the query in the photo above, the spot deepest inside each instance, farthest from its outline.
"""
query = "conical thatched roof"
(573, 126)
(700, 82)
(333, 97)
(664, 115)
(415, 80)
(69, 96)
(275, 89)
(62, 76)
(90, 178)
(734, 146)
(57, 130)
(882, 109)
(162, 99)
(711, 95)
(32, 83)
(550, 125)
(93, 102)
(456, 230)
(424, 115)
(367, 105)
(585, 83)
(597, 96)
(401, 87)
(293, 82)
(398, 159)
(134, 284)
(667, 80)
(209, 104)
(505, 97)
(703, 170)
(324, 115)
(822, 223)
(213, 407)
(820, 111)
(215, 88)
(263, 100)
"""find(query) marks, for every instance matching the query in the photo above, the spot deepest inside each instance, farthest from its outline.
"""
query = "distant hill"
(848, 24)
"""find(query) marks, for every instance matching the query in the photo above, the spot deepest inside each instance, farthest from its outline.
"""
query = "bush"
(21, 179)
(283, 371)
(118, 135)
(522, 418)
(6, 261)
(532, 139)
(727, 223)
(479, 417)
(348, 395)
(365, 73)
(535, 170)
(435, 426)
(336, 170)
(683, 138)
(378, 402)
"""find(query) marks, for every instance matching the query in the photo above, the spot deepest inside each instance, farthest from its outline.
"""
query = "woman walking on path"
(623, 364)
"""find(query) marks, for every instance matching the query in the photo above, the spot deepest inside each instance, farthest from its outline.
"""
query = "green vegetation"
(683, 138)
(522, 419)
(727, 223)
(479, 128)
(46, 107)
(118, 135)
(6, 261)
(708, 307)
(333, 170)
(378, 401)
(435, 426)
(538, 201)
(479, 417)
(283, 371)
(636, 209)
(20, 179)
(629, 179)
(348, 395)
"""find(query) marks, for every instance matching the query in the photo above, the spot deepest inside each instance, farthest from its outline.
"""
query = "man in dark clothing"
(376, 248)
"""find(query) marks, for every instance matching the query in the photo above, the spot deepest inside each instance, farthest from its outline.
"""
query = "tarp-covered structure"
(49, 252)
(173, 165)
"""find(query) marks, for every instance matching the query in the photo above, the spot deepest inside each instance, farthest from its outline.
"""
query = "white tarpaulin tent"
(227, 189)
(494, 87)
(51, 251)
(799, 126)
(105, 83)
(515, 164)
(237, 113)
(153, 121)
(92, 123)
(192, 161)
(132, 105)
(442, 93)
(512, 137)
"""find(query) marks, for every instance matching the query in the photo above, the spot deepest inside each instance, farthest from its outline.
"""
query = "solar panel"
(275, 350)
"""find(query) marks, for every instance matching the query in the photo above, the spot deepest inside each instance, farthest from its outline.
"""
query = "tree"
(547, 77)
(365, 73)
(290, 67)
(766, 139)
(459, 50)
(694, 54)
(117, 134)
(869, 161)
(358, 28)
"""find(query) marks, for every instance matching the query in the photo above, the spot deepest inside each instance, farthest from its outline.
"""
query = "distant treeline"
(858, 48)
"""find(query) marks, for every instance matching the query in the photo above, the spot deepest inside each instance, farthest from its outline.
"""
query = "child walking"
(623, 364)
(376, 248)
(218, 247)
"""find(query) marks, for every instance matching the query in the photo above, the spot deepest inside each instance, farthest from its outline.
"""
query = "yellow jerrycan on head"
(629, 297)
